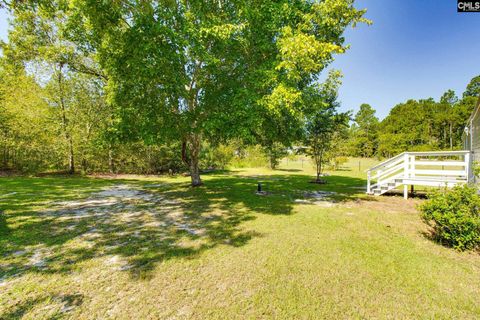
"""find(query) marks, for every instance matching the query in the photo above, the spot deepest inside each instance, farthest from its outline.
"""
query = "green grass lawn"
(136, 247)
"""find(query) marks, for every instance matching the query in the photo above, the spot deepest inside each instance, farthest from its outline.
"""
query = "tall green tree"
(473, 88)
(40, 39)
(364, 133)
(90, 118)
(447, 118)
(206, 70)
(323, 121)
(425, 125)
(410, 126)
(277, 131)
(27, 137)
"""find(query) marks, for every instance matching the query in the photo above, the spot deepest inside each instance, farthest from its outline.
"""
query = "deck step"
(384, 187)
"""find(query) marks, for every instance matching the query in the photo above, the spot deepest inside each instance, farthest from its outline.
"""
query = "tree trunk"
(5, 157)
(68, 136)
(84, 164)
(319, 172)
(273, 161)
(194, 139)
(194, 147)
(319, 166)
(451, 139)
(71, 161)
(444, 136)
(111, 161)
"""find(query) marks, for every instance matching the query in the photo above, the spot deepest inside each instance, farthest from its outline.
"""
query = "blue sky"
(414, 49)
(3, 24)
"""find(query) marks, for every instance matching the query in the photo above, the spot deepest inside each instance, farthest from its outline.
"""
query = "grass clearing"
(152, 247)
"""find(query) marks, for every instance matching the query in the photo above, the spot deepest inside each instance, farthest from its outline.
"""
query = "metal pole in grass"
(260, 191)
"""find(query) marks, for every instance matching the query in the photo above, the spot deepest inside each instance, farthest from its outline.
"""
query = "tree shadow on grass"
(133, 225)
(399, 193)
(288, 170)
(4, 229)
(65, 303)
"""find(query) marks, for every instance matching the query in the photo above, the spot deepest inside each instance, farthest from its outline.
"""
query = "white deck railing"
(438, 168)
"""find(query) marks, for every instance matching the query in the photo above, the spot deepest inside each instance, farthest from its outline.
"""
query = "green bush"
(476, 168)
(216, 157)
(454, 216)
(337, 162)
(275, 152)
(249, 157)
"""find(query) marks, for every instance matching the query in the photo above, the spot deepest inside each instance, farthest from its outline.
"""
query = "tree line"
(415, 125)
(155, 86)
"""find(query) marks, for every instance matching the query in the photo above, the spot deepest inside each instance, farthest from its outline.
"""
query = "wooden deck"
(434, 169)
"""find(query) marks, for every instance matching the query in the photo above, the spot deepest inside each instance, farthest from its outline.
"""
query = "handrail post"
(369, 174)
(405, 174)
(412, 166)
(468, 167)
(405, 165)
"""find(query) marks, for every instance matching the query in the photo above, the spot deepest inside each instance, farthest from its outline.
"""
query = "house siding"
(476, 137)
(471, 137)
(471, 141)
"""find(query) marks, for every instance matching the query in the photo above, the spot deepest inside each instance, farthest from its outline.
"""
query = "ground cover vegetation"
(78, 247)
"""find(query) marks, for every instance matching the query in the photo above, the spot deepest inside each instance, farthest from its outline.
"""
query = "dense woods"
(415, 125)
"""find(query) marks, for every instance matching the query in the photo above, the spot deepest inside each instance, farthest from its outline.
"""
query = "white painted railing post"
(412, 166)
(369, 175)
(406, 174)
(468, 167)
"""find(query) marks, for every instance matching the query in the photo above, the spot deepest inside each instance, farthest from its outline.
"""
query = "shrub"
(454, 216)
(275, 152)
(337, 162)
(249, 157)
(216, 157)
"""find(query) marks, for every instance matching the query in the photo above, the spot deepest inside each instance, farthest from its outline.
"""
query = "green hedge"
(454, 216)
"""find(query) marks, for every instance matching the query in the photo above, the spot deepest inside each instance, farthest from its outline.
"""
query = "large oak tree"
(196, 70)
(193, 70)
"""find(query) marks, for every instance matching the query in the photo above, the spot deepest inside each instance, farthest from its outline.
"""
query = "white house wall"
(476, 136)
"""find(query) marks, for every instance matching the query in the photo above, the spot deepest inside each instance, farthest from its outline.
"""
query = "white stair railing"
(437, 168)
(384, 171)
